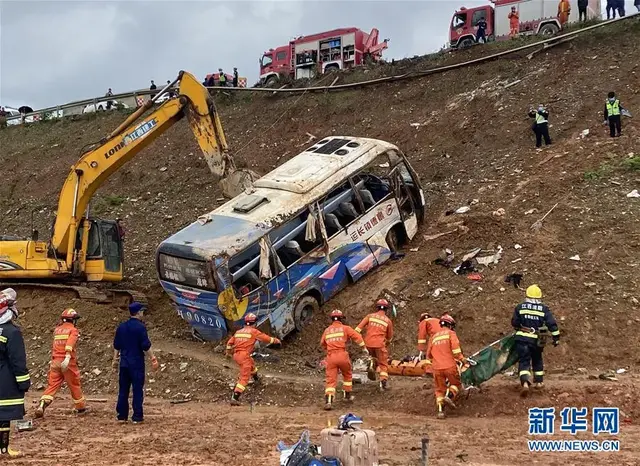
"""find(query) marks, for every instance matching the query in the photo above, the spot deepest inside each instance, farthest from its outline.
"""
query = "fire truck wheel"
(271, 80)
(466, 43)
(549, 29)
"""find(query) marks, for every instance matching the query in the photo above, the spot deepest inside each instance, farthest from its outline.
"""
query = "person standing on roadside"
(582, 9)
(130, 345)
(611, 9)
(235, 77)
(564, 9)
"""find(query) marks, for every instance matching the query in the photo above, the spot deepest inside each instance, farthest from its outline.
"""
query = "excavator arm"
(67, 252)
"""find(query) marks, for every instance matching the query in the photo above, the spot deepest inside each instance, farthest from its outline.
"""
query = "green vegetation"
(632, 163)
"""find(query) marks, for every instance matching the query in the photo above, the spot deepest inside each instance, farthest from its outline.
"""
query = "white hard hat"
(10, 293)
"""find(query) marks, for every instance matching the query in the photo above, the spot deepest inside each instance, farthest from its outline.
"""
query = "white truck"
(534, 17)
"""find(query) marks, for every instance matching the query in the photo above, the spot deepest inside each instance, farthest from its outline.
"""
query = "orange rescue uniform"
(426, 329)
(334, 342)
(379, 332)
(564, 8)
(514, 23)
(242, 343)
(444, 352)
(65, 338)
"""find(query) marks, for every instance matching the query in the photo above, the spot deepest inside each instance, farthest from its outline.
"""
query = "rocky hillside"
(467, 134)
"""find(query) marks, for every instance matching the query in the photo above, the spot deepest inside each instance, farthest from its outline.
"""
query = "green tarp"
(491, 360)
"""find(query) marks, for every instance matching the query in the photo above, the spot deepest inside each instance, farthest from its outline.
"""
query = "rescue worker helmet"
(337, 314)
(250, 318)
(424, 315)
(534, 292)
(69, 314)
(447, 321)
(382, 304)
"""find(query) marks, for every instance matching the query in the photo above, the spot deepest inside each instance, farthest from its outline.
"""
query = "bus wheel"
(305, 308)
(392, 240)
(549, 30)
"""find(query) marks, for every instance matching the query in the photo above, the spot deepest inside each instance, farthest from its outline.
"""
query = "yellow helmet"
(534, 292)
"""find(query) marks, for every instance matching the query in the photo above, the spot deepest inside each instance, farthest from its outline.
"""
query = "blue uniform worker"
(130, 345)
(14, 374)
(532, 320)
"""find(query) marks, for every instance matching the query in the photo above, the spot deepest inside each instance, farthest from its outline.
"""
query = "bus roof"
(276, 197)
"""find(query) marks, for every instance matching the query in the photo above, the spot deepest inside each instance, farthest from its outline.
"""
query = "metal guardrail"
(413, 74)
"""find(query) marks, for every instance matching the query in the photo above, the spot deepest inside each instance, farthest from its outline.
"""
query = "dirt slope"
(467, 134)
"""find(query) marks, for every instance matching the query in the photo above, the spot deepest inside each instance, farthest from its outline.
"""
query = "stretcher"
(484, 364)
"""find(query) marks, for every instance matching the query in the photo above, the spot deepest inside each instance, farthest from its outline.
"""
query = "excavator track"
(96, 295)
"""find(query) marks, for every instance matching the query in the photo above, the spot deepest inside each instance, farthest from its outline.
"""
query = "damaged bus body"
(305, 231)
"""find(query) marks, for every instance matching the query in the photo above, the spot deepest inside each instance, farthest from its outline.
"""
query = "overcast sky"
(54, 52)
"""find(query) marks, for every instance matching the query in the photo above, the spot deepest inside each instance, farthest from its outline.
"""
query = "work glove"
(556, 342)
(277, 342)
(64, 365)
(154, 363)
(418, 358)
(605, 122)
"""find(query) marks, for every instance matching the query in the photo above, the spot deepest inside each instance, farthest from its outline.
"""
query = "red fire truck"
(535, 17)
(308, 56)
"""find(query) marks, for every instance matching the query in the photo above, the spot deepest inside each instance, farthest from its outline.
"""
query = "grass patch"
(600, 172)
(114, 201)
(632, 163)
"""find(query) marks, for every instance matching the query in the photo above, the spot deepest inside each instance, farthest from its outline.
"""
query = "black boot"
(256, 378)
(5, 431)
(235, 398)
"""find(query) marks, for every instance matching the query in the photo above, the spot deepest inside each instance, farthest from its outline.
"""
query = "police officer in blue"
(130, 345)
(533, 321)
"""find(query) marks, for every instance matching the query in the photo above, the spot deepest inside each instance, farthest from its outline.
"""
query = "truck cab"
(464, 25)
(274, 63)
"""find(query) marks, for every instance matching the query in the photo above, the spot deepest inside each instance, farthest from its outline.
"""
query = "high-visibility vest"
(222, 78)
(540, 119)
(613, 109)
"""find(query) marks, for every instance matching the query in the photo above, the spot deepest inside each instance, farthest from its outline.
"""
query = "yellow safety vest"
(613, 109)
(540, 119)
(222, 77)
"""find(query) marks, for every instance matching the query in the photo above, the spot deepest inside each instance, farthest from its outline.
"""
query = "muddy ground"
(489, 428)
(467, 135)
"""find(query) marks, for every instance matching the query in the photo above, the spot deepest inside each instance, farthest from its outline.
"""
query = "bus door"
(400, 177)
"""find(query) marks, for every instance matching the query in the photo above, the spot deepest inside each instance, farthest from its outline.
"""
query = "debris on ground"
(575, 258)
(634, 193)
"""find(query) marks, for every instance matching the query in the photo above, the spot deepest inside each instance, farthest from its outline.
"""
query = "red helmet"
(337, 314)
(69, 314)
(382, 304)
(250, 318)
(447, 319)
(424, 315)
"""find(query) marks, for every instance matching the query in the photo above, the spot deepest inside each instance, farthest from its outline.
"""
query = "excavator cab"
(105, 257)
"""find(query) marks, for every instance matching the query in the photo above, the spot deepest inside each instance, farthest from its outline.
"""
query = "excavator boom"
(91, 249)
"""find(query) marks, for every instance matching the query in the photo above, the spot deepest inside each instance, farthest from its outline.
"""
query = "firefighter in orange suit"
(445, 353)
(427, 327)
(64, 364)
(514, 22)
(564, 8)
(378, 333)
(242, 343)
(334, 342)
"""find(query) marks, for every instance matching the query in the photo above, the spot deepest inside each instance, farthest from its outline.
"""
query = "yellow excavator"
(86, 249)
